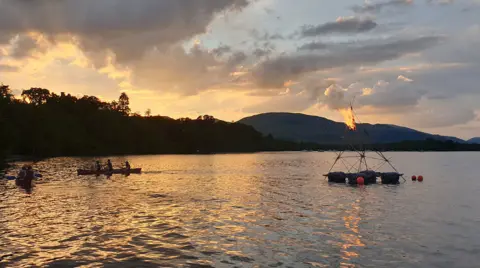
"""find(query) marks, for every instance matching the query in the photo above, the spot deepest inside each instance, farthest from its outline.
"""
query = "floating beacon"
(360, 181)
(414, 178)
(420, 178)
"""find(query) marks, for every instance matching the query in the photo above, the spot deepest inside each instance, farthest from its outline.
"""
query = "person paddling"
(26, 176)
(29, 176)
(98, 167)
(127, 165)
(109, 165)
(22, 173)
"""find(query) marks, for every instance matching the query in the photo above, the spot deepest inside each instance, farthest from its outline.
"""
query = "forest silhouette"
(42, 124)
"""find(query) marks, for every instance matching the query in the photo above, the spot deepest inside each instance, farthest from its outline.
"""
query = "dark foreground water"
(252, 210)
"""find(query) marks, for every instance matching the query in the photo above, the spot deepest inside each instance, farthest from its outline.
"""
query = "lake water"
(244, 210)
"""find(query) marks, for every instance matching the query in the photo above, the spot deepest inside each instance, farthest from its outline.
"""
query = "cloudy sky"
(409, 62)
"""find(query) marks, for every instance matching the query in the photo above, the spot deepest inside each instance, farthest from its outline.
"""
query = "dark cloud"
(5, 38)
(450, 83)
(143, 36)
(376, 7)
(461, 47)
(392, 95)
(236, 59)
(126, 28)
(263, 49)
(297, 97)
(341, 25)
(221, 50)
(335, 97)
(461, 60)
(259, 52)
(443, 115)
(8, 68)
(273, 73)
(24, 46)
(276, 36)
(313, 46)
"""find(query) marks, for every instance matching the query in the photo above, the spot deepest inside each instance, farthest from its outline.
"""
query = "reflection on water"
(352, 239)
(252, 210)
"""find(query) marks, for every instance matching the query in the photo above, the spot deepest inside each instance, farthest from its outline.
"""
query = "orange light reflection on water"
(352, 240)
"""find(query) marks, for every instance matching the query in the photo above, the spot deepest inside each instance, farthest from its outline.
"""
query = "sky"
(413, 63)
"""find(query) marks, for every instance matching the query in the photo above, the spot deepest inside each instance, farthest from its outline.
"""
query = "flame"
(349, 118)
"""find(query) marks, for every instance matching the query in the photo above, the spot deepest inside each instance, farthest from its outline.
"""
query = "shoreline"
(21, 158)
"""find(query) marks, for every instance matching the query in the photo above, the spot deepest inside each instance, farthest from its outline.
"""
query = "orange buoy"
(414, 178)
(360, 181)
(420, 178)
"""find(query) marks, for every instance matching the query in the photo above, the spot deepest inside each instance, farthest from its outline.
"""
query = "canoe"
(115, 171)
(11, 178)
(23, 183)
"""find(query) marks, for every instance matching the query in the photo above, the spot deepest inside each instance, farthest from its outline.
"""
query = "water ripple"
(254, 210)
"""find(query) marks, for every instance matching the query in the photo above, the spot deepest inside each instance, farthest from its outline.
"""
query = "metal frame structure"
(358, 152)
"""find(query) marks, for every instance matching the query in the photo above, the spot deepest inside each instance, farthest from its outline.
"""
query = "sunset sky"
(408, 62)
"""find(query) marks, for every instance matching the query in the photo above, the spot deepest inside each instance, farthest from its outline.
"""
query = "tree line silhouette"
(426, 145)
(43, 123)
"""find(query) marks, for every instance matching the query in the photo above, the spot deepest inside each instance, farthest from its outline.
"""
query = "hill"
(474, 140)
(307, 128)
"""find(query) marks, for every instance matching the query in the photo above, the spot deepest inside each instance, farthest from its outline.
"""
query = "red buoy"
(360, 181)
(414, 178)
(420, 178)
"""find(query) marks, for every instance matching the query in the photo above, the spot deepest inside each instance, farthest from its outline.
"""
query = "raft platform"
(370, 177)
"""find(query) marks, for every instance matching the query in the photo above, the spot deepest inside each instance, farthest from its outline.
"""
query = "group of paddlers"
(109, 166)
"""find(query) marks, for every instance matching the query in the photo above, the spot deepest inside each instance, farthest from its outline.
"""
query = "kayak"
(11, 178)
(23, 182)
(115, 171)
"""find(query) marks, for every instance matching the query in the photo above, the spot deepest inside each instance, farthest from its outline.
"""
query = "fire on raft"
(361, 171)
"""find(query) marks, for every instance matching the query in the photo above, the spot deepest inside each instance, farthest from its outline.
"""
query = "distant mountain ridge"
(307, 128)
(474, 140)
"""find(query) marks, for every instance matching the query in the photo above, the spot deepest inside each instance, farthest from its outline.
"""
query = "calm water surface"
(246, 210)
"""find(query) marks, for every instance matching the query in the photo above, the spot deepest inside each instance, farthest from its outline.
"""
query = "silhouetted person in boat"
(22, 173)
(98, 167)
(26, 177)
(109, 165)
(29, 176)
(127, 165)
